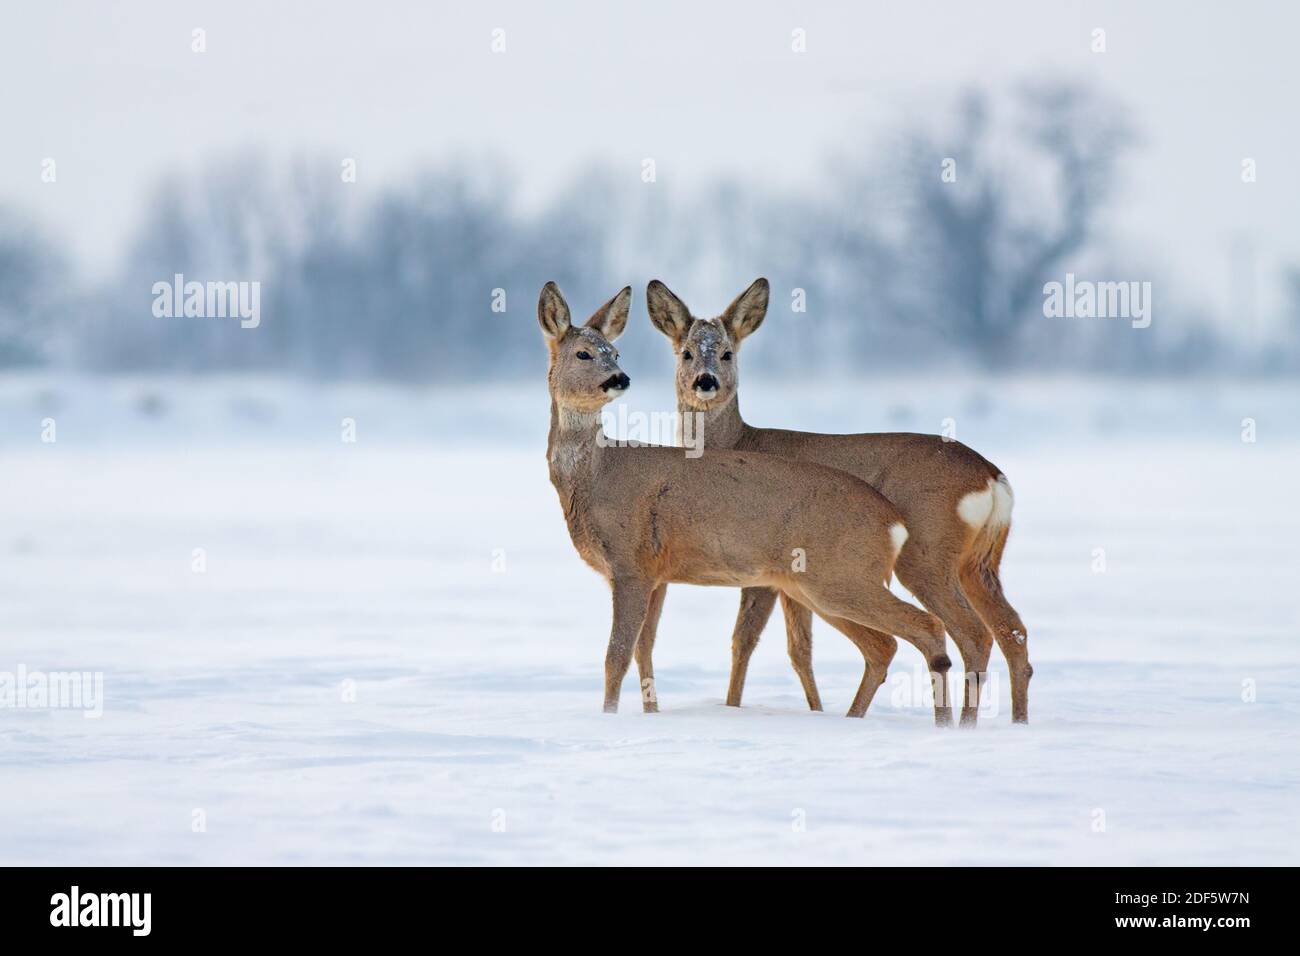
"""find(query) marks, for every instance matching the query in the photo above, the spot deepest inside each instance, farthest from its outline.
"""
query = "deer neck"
(720, 427)
(573, 454)
(572, 450)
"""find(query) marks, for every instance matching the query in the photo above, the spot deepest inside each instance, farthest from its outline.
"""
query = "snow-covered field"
(392, 653)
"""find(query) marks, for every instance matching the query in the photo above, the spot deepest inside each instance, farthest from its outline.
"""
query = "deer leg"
(755, 608)
(1014, 646)
(798, 636)
(976, 661)
(877, 651)
(945, 599)
(984, 592)
(645, 645)
(876, 608)
(631, 601)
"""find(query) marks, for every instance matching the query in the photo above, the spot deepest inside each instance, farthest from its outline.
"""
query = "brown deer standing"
(956, 505)
(646, 516)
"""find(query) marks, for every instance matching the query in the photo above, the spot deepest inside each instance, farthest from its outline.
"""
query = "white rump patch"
(991, 506)
(976, 506)
(898, 535)
(1003, 499)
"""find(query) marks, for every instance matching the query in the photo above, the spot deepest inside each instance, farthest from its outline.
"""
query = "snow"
(425, 570)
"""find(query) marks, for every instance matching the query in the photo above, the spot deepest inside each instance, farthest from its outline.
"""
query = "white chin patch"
(614, 392)
(706, 396)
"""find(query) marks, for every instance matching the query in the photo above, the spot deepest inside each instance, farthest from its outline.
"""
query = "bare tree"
(985, 244)
(32, 278)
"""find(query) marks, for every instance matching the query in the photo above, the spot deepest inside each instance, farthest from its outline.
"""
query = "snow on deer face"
(584, 373)
(706, 348)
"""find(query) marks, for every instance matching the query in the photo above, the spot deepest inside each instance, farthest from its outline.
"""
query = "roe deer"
(956, 505)
(648, 515)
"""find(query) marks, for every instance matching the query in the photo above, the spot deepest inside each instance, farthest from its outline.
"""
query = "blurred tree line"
(932, 250)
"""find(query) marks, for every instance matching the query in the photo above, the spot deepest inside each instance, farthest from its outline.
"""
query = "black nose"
(616, 381)
(706, 383)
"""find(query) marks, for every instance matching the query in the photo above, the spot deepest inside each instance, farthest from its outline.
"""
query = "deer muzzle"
(616, 383)
(706, 386)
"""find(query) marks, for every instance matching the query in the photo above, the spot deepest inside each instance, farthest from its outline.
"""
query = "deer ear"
(746, 313)
(552, 311)
(668, 313)
(611, 318)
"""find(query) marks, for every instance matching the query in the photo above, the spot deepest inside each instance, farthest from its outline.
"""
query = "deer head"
(706, 348)
(583, 373)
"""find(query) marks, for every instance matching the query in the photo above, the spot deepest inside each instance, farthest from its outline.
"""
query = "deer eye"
(726, 356)
(686, 354)
(584, 355)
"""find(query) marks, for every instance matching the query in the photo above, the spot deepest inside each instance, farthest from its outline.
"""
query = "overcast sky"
(113, 92)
